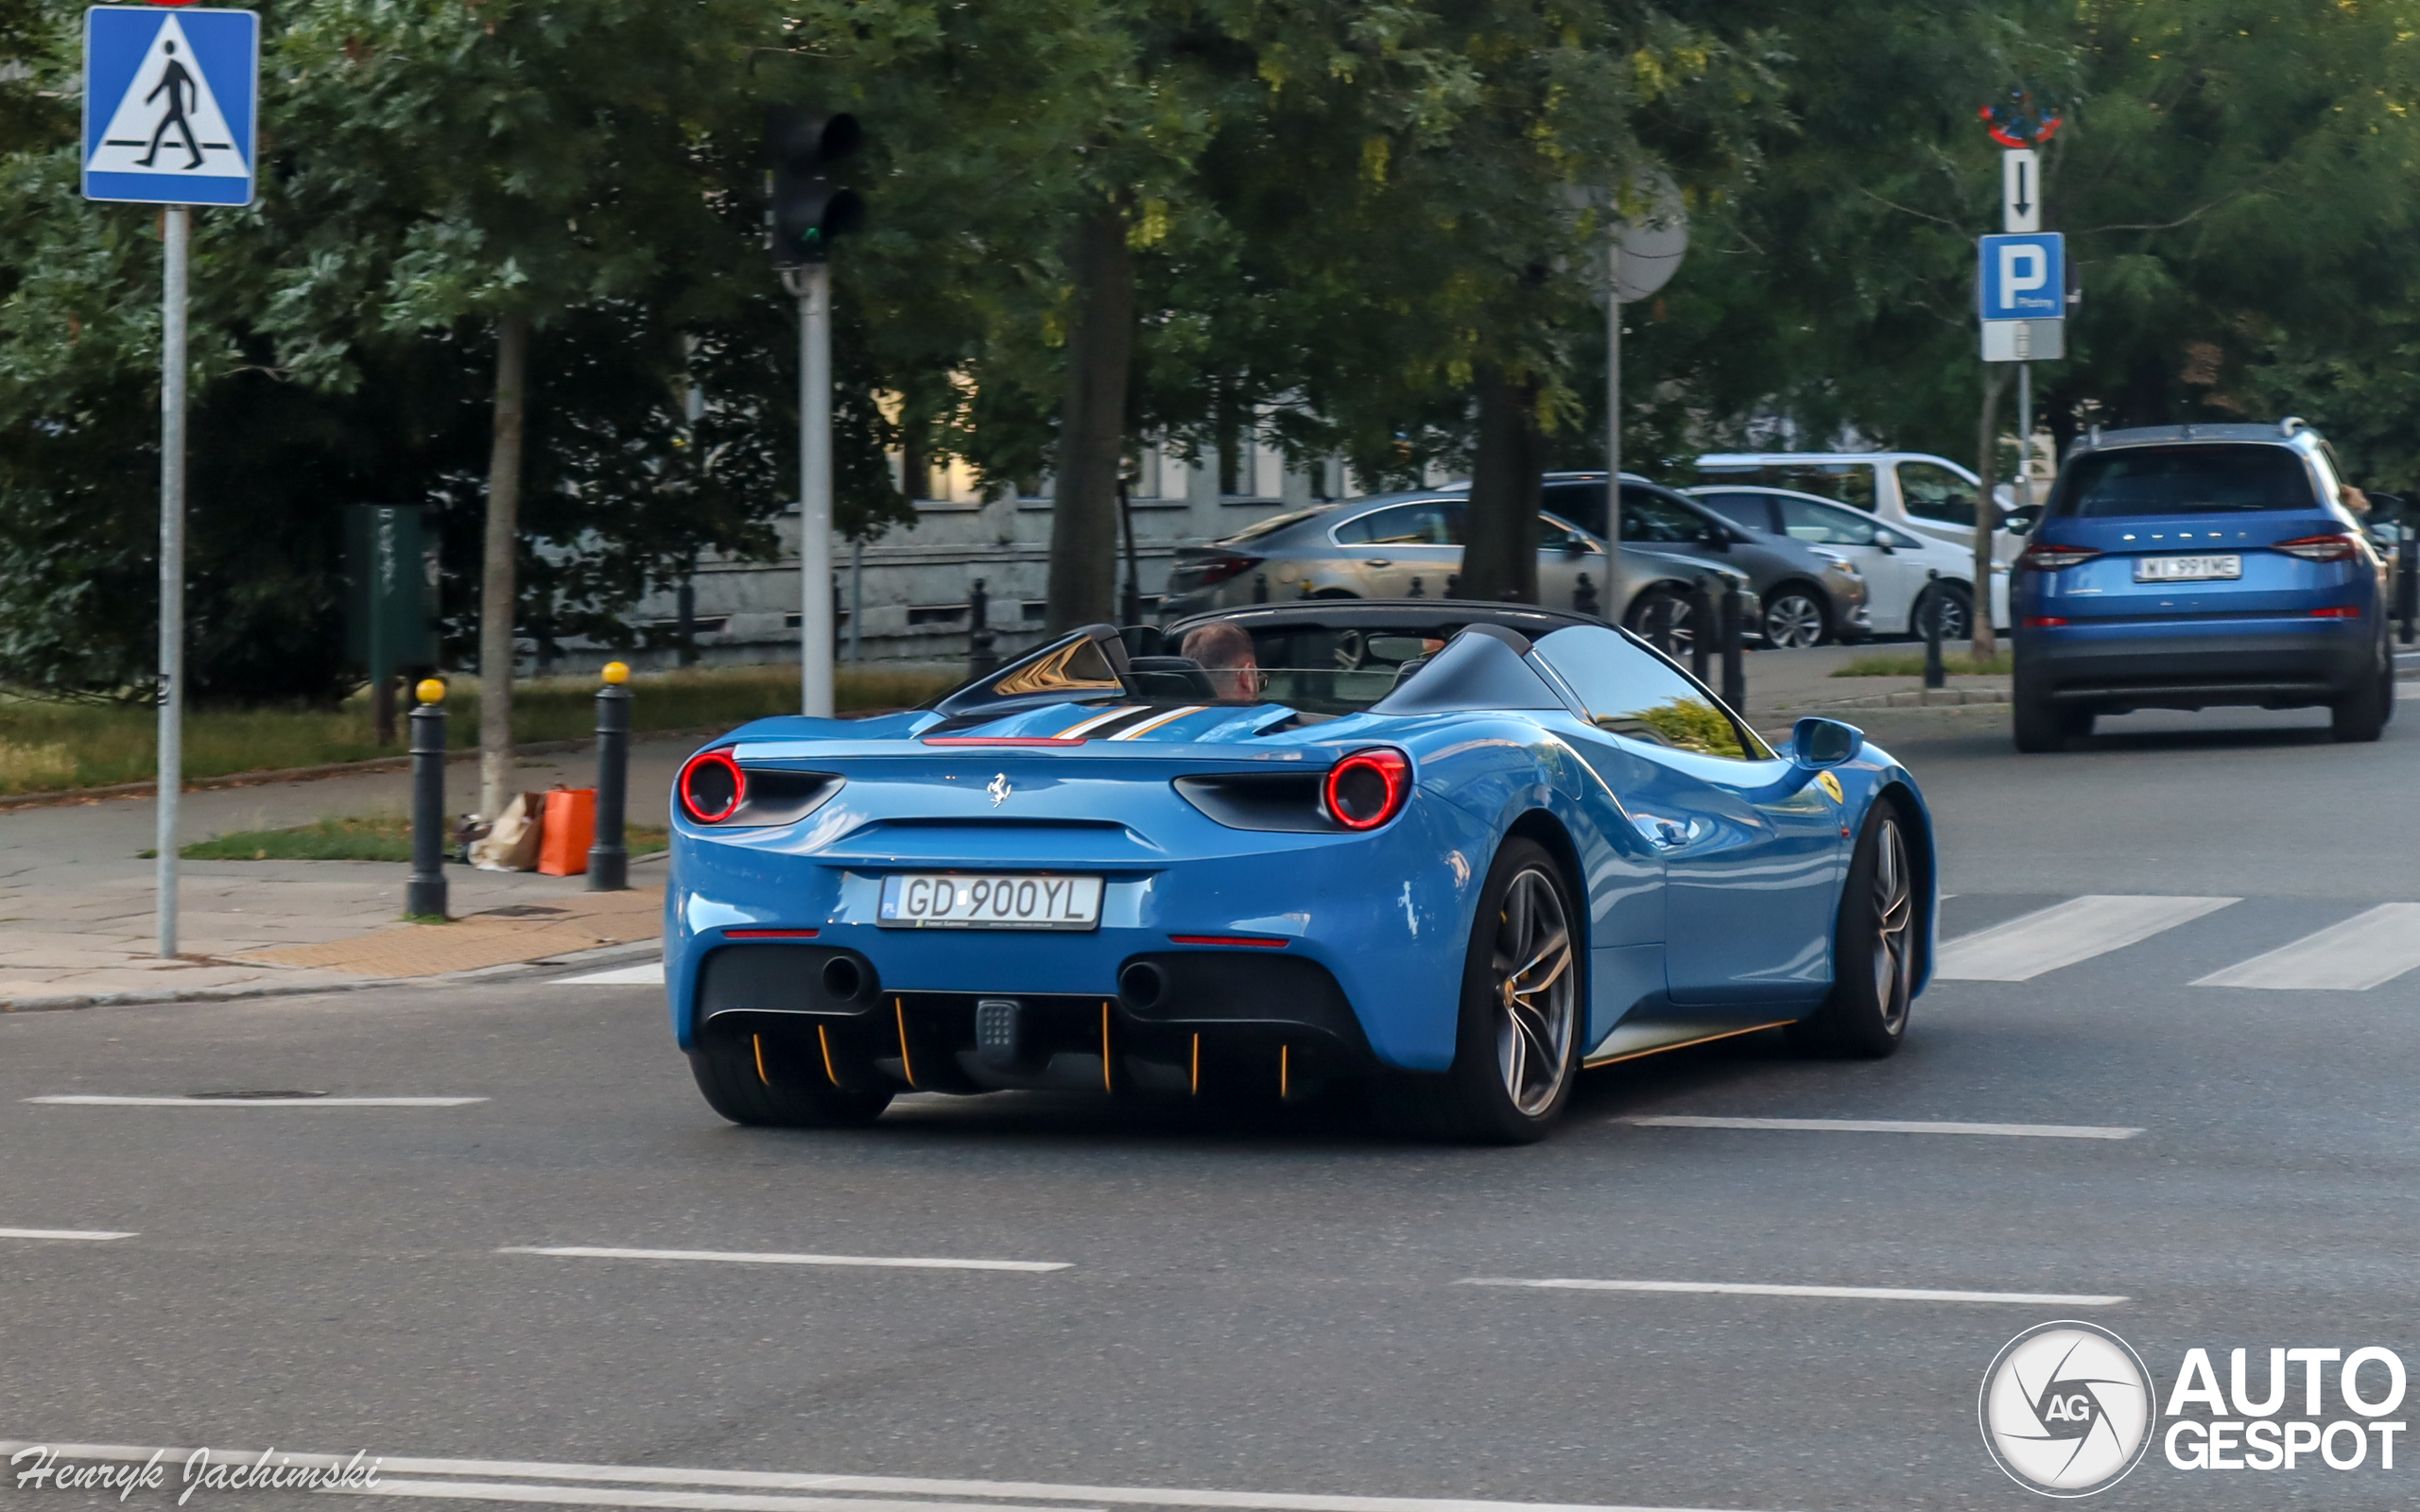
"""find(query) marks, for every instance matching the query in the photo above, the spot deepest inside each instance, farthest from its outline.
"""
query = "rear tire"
(1517, 1043)
(2036, 723)
(1956, 607)
(1874, 949)
(775, 1078)
(1661, 617)
(2362, 716)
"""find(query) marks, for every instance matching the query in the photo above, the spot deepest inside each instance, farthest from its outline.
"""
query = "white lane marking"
(99, 1100)
(743, 1257)
(893, 1485)
(647, 973)
(2364, 952)
(1894, 1125)
(1083, 726)
(1134, 731)
(2406, 690)
(688, 1500)
(1881, 1294)
(65, 1233)
(2066, 933)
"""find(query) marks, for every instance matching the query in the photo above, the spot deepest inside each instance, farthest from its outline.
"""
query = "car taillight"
(1219, 569)
(711, 787)
(2045, 558)
(2322, 549)
(2044, 622)
(1368, 788)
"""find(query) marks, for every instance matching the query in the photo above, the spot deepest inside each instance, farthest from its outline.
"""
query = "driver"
(1224, 651)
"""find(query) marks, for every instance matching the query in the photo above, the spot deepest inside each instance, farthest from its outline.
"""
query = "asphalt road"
(1276, 1305)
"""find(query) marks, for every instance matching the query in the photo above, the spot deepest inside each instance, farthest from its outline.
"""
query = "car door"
(1892, 578)
(1571, 568)
(1403, 544)
(1752, 843)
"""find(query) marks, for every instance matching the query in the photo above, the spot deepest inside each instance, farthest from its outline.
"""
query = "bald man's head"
(1225, 652)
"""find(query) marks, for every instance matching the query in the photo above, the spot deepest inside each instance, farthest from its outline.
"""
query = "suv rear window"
(2162, 480)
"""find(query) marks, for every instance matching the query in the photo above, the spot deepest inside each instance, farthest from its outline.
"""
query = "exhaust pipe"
(843, 978)
(1143, 985)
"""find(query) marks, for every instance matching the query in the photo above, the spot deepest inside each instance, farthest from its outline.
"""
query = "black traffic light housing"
(806, 209)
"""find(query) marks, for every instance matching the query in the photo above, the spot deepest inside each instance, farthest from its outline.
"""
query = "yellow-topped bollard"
(608, 858)
(616, 673)
(424, 893)
(429, 691)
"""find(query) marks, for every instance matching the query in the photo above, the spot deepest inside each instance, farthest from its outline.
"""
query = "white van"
(1923, 495)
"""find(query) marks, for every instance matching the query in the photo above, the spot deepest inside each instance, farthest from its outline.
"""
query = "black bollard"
(2407, 581)
(1734, 628)
(979, 655)
(424, 894)
(1583, 597)
(1702, 631)
(608, 858)
(1934, 677)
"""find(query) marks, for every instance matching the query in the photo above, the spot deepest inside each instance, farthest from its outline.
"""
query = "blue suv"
(2194, 567)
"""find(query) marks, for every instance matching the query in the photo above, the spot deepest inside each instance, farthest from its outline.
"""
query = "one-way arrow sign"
(2020, 191)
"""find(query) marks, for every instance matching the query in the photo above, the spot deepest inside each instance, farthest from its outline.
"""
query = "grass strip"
(45, 746)
(377, 837)
(1911, 665)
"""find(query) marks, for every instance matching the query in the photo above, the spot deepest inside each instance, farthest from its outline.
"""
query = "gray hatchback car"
(1409, 546)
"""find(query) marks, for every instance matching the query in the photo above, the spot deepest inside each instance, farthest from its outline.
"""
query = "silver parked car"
(1409, 546)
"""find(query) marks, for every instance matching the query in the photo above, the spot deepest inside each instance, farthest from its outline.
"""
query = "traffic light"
(806, 209)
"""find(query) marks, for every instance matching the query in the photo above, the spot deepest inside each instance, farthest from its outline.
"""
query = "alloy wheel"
(1894, 920)
(1793, 622)
(1950, 610)
(1535, 996)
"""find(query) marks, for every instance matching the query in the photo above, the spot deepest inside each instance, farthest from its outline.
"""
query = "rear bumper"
(2277, 663)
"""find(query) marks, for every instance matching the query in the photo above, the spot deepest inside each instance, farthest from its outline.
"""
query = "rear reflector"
(1229, 939)
(2043, 621)
(2348, 611)
(768, 933)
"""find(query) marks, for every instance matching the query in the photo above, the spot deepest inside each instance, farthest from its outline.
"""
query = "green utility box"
(391, 595)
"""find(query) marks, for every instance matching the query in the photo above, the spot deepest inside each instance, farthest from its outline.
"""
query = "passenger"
(1225, 652)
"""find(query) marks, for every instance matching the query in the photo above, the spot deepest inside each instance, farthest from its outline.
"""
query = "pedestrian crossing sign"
(170, 99)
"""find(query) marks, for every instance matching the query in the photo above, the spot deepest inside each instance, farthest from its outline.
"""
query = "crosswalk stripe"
(647, 973)
(2066, 933)
(2361, 952)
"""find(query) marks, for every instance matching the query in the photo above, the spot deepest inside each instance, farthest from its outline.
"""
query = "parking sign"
(2023, 278)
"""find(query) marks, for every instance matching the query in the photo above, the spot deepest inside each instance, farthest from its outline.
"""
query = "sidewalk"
(1801, 682)
(77, 920)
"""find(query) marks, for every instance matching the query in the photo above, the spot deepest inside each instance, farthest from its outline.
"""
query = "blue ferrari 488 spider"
(1454, 852)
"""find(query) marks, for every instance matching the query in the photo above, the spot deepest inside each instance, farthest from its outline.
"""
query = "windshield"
(2165, 480)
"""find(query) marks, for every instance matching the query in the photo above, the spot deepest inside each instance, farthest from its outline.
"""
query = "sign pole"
(1614, 431)
(812, 284)
(176, 230)
(2024, 435)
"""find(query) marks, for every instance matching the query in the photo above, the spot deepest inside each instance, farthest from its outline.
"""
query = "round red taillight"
(1367, 788)
(711, 787)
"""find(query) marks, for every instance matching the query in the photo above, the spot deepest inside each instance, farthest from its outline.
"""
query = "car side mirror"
(2021, 521)
(1717, 538)
(1574, 546)
(1820, 743)
(1884, 543)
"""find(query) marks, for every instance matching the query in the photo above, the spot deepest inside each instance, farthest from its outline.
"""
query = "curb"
(1917, 699)
(602, 956)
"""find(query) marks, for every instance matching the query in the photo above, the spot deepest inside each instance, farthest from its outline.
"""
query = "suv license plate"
(917, 899)
(2186, 569)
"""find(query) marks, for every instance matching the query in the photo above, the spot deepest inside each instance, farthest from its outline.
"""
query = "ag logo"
(2066, 1409)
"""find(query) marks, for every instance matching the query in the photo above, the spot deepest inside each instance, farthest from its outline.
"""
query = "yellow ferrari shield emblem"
(1830, 784)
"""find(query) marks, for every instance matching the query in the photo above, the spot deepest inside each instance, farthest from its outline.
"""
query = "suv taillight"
(711, 787)
(1367, 788)
(2338, 547)
(2043, 556)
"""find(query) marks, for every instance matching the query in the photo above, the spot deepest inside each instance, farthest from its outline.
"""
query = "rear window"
(2165, 480)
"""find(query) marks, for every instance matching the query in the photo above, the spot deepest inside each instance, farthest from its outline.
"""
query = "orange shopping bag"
(570, 829)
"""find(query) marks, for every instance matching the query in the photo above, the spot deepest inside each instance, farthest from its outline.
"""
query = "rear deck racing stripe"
(1880, 1294)
(101, 1100)
(1889, 1126)
(743, 1257)
(533, 1473)
(1130, 731)
(1085, 727)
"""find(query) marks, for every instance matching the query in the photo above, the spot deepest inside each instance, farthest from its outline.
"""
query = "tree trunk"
(1092, 426)
(1987, 509)
(1500, 536)
(497, 588)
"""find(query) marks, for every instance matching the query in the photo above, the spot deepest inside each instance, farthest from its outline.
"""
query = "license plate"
(2186, 569)
(965, 901)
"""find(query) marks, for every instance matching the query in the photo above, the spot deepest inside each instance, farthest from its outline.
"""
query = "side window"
(1582, 503)
(1823, 526)
(1429, 522)
(1932, 491)
(1651, 518)
(1753, 511)
(1629, 693)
